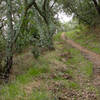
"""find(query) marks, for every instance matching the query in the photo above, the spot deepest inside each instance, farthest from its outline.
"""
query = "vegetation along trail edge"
(92, 56)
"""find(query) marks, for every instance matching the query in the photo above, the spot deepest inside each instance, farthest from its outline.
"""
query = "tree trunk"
(8, 60)
(1, 61)
(9, 53)
(50, 44)
(8, 66)
(97, 6)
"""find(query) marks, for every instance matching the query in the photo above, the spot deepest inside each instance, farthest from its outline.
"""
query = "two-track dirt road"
(91, 56)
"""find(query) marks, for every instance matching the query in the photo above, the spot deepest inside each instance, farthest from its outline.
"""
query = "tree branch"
(40, 12)
(53, 4)
(97, 6)
(29, 6)
(44, 5)
(17, 32)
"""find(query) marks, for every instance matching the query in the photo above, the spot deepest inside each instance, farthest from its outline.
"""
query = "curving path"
(93, 57)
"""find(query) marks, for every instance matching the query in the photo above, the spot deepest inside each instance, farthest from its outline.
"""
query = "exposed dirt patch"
(63, 81)
(36, 84)
(61, 92)
(93, 57)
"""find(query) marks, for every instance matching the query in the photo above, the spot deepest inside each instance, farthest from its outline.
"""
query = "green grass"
(77, 64)
(71, 84)
(40, 95)
(86, 38)
(80, 63)
(14, 89)
(14, 93)
(57, 37)
(33, 72)
(77, 67)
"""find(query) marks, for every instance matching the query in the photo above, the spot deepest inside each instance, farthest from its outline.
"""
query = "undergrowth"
(88, 38)
(53, 76)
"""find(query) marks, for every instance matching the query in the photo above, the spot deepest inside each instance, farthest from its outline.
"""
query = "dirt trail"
(93, 57)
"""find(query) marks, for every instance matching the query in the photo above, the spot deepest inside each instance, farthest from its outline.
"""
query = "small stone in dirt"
(62, 98)
(67, 54)
(66, 76)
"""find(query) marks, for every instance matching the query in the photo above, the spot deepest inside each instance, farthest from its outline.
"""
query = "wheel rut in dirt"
(91, 56)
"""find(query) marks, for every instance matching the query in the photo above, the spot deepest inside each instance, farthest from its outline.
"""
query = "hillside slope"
(63, 74)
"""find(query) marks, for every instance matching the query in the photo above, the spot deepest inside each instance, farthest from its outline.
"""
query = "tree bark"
(44, 13)
(10, 35)
(97, 6)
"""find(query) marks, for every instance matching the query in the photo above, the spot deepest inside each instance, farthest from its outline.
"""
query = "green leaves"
(83, 10)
